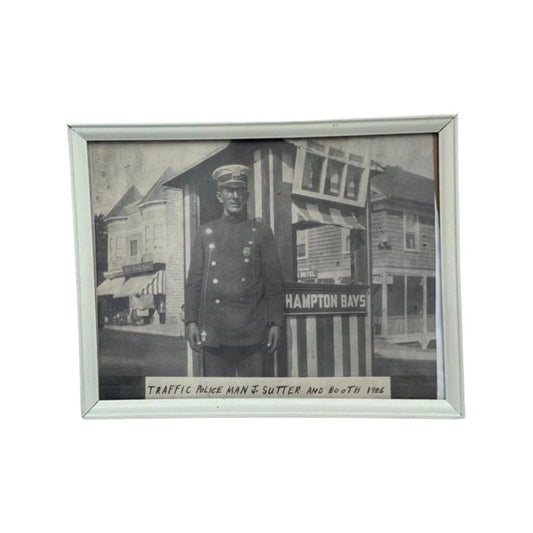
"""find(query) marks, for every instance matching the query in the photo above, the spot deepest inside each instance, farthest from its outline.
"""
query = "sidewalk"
(387, 350)
(173, 330)
(382, 348)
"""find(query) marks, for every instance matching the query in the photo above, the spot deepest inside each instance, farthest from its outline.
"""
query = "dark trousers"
(234, 361)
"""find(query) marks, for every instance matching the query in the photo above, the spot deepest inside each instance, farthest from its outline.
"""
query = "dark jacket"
(234, 289)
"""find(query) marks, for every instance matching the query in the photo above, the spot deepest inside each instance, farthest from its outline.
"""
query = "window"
(133, 247)
(312, 172)
(111, 247)
(331, 174)
(410, 224)
(301, 244)
(120, 247)
(353, 182)
(159, 236)
(148, 239)
(333, 177)
(345, 240)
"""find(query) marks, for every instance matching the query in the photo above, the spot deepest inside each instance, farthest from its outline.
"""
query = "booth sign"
(315, 300)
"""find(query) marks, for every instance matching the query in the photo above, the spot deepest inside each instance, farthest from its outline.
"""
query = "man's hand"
(274, 336)
(192, 334)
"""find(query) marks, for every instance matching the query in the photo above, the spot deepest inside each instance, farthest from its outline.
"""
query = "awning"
(153, 283)
(109, 287)
(309, 214)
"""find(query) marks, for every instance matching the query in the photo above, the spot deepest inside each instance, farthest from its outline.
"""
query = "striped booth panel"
(327, 346)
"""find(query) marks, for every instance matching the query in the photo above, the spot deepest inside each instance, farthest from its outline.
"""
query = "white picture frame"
(450, 403)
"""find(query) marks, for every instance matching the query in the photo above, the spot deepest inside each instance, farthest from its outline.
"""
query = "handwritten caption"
(180, 387)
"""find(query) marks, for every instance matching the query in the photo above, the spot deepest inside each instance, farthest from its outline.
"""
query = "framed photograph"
(290, 269)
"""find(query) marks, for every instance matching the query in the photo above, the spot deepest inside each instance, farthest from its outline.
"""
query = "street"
(126, 358)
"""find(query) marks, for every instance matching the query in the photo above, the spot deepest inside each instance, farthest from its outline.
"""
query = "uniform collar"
(230, 219)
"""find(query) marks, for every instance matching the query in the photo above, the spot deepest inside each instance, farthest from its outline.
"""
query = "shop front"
(314, 197)
(137, 297)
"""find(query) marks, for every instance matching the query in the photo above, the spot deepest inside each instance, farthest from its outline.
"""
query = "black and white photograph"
(358, 363)
(270, 258)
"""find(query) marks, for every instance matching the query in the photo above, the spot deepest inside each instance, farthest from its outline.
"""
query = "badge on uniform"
(246, 251)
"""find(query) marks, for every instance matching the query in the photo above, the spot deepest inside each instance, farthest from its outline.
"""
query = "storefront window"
(133, 247)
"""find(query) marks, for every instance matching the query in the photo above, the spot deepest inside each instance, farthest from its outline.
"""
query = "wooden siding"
(390, 225)
(324, 250)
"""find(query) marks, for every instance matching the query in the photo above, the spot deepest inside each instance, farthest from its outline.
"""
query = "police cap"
(232, 176)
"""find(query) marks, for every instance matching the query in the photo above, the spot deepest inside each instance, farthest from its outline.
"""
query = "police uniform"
(234, 290)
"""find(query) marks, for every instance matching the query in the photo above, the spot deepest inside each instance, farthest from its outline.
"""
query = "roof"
(157, 191)
(183, 175)
(131, 196)
(395, 182)
(240, 150)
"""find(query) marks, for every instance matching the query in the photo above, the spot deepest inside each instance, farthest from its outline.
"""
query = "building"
(144, 281)
(403, 257)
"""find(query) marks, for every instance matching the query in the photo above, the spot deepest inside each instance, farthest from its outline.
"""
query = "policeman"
(234, 290)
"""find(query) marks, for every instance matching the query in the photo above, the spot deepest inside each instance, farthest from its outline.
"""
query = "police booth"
(314, 196)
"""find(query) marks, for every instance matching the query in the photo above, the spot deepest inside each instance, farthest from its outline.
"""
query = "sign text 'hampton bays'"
(180, 387)
(344, 299)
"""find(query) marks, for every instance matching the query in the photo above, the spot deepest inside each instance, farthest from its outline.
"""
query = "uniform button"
(215, 281)
(246, 260)
(213, 263)
(243, 279)
(254, 229)
(209, 231)
(217, 301)
(211, 246)
(250, 242)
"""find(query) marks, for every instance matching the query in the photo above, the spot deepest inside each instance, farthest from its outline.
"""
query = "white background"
(113, 62)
